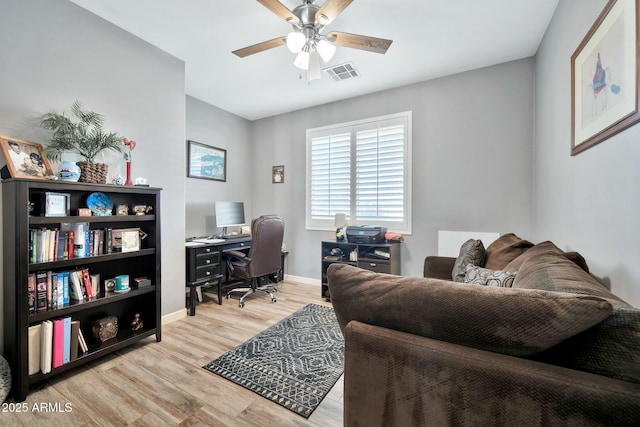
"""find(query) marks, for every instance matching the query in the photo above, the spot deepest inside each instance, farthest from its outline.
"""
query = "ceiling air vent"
(342, 72)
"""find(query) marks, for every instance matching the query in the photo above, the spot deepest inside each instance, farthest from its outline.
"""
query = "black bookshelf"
(22, 210)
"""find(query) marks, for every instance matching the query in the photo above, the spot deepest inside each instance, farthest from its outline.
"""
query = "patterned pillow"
(487, 277)
(471, 253)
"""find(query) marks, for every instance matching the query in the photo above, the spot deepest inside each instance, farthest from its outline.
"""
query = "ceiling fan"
(306, 40)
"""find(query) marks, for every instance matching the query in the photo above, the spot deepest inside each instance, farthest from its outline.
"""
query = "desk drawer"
(205, 260)
(208, 271)
(378, 267)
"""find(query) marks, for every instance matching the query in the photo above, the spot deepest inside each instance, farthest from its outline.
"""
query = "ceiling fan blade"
(330, 11)
(281, 10)
(259, 47)
(372, 44)
(313, 72)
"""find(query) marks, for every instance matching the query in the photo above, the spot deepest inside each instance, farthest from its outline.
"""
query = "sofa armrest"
(438, 267)
(395, 378)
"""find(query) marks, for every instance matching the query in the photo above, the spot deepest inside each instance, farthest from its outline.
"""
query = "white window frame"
(327, 224)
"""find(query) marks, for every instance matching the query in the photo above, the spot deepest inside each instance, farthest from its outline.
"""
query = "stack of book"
(53, 343)
(51, 290)
(52, 244)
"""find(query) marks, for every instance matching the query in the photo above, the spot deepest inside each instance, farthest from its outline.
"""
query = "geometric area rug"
(293, 363)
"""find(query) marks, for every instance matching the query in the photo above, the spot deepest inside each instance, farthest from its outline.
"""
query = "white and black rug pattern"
(293, 363)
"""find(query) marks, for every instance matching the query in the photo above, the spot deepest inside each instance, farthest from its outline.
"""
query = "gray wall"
(212, 126)
(589, 202)
(472, 159)
(53, 52)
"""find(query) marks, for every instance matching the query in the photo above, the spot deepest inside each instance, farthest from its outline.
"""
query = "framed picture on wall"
(206, 162)
(25, 159)
(277, 174)
(604, 77)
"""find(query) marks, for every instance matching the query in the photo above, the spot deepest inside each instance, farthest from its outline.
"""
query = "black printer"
(366, 234)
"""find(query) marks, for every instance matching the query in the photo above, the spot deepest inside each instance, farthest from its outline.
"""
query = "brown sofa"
(557, 348)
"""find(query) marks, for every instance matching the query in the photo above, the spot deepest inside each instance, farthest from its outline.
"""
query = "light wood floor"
(164, 384)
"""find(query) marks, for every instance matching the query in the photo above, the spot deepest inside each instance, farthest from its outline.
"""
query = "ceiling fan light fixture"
(326, 50)
(296, 41)
(302, 60)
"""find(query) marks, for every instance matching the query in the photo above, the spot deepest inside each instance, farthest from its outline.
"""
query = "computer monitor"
(229, 214)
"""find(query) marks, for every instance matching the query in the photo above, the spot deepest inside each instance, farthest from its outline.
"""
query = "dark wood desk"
(205, 265)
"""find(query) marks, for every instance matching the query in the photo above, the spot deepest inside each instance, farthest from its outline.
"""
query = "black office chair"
(264, 258)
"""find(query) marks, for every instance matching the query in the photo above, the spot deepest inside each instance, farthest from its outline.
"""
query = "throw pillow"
(504, 250)
(518, 322)
(471, 252)
(611, 347)
(487, 277)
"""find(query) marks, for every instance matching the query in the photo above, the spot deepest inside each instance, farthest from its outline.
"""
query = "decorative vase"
(128, 182)
(69, 171)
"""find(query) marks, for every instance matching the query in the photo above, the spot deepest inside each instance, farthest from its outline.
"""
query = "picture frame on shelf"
(206, 161)
(56, 204)
(277, 174)
(604, 77)
(25, 159)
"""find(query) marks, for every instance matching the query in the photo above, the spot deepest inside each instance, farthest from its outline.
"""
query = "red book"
(87, 282)
(70, 240)
(58, 343)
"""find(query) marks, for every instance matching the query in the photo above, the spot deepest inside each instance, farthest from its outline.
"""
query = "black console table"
(378, 257)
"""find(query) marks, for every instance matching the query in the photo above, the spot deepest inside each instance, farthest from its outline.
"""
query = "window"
(361, 169)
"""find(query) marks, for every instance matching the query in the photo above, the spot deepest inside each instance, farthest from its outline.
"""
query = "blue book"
(87, 242)
(66, 353)
(62, 244)
(65, 287)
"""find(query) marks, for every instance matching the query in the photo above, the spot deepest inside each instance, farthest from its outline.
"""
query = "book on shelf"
(61, 251)
(66, 349)
(57, 343)
(32, 294)
(108, 242)
(75, 287)
(74, 343)
(41, 291)
(46, 343)
(70, 243)
(83, 343)
(86, 280)
(49, 290)
(35, 340)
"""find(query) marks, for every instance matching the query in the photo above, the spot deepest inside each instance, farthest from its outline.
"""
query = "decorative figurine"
(122, 210)
(136, 323)
(142, 209)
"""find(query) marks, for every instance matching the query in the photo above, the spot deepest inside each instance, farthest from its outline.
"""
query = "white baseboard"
(172, 317)
(303, 280)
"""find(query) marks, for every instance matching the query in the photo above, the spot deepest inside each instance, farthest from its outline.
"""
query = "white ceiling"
(431, 38)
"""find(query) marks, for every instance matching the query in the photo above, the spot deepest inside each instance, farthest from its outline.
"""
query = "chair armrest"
(238, 255)
(438, 267)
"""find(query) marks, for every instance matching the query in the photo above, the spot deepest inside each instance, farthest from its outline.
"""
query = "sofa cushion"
(486, 277)
(504, 250)
(612, 347)
(518, 322)
(545, 247)
(471, 253)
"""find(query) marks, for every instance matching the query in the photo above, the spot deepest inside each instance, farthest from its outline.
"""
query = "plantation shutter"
(360, 169)
(330, 175)
(379, 173)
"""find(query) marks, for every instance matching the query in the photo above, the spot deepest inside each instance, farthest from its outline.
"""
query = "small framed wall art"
(605, 78)
(25, 159)
(206, 162)
(277, 174)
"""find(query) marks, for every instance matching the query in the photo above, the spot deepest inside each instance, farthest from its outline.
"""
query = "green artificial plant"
(84, 136)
